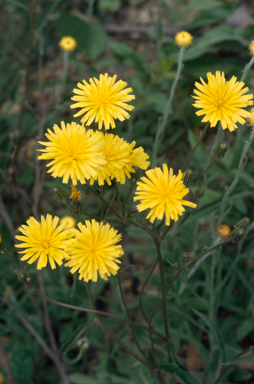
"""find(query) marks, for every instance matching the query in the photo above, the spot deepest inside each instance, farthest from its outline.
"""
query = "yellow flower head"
(75, 152)
(103, 101)
(136, 158)
(162, 193)
(183, 39)
(95, 250)
(221, 100)
(75, 194)
(250, 119)
(45, 241)
(115, 151)
(67, 222)
(251, 48)
(68, 43)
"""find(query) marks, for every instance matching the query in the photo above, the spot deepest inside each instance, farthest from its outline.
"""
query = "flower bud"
(59, 194)
(175, 266)
(75, 194)
(239, 229)
(135, 176)
(223, 230)
(199, 192)
(188, 177)
(75, 206)
(220, 151)
(2, 245)
(185, 257)
(23, 276)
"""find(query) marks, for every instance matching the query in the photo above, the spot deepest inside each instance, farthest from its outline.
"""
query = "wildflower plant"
(93, 161)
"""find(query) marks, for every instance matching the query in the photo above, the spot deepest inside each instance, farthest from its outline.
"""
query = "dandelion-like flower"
(251, 48)
(68, 43)
(222, 101)
(44, 240)
(162, 193)
(136, 158)
(103, 100)
(250, 119)
(75, 153)
(68, 222)
(183, 39)
(95, 250)
(116, 154)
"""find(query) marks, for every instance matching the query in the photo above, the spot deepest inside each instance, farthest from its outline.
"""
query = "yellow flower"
(103, 101)
(136, 158)
(67, 222)
(68, 43)
(95, 250)
(75, 194)
(183, 39)
(250, 119)
(222, 101)
(115, 151)
(75, 153)
(162, 193)
(251, 48)
(45, 241)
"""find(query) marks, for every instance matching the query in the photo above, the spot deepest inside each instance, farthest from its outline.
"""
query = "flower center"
(220, 103)
(46, 245)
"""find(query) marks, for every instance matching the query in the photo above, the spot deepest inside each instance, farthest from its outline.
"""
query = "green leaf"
(69, 25)
(96, 40)
(204, 5)
(72, 341)
(201, 151)
(181, 373)
(240, 359)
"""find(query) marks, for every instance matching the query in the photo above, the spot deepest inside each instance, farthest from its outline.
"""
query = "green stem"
(78, 211)
(128, 315)
(168, 109)
(201, 174)
(180, 271)
(132, 186)
(199, 141)
(113, 336)
(237, 176)
(134, 221)
(143, 288)
(247, 68)
(104, 201)
(63, 78)
(10, 260)
(111, 203)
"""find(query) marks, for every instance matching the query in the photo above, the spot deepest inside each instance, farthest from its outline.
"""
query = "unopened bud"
(239, 229)
(2, 245)
(188, 177)
(59, 194)
(23, 276)
(175, 266)
(185, 257)
(199, 193)
(75, 206)
(135, 176)
(220, 151)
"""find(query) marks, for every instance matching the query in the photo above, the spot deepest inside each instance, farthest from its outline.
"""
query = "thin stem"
(168, 109)
(249, 349)
(111, 203)
(10, 260)
(128, 315)
(140, 225)
(104, 201)
(237, 176)
(143, 288)
(132, 186)
(113, 336)
(201, 174)
(247, 68)
(163, 286)
(199, 141)
(180, 271)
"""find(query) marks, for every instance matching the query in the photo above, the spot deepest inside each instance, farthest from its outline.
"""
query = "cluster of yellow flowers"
(82, 154)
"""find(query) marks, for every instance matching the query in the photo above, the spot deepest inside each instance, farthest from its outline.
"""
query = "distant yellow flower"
(2, 378)
(162, 193)
(68, 222)
(75, 194)
(94, 251)
(222, 101)
(183, 39)
(103, 101)
(136, 158)
(45, 241)
(115, 151)
(251, 48)
(75, 152)
(68, 43)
